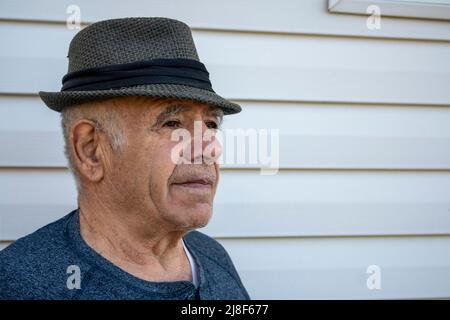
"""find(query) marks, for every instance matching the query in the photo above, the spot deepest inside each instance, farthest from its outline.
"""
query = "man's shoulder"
(210, 249)
(215, 255)
(33, 258)
(206, 244)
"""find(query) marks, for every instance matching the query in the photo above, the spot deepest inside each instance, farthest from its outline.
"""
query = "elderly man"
(133, 85)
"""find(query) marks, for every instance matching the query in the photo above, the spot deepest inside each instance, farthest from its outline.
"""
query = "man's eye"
(212, 125)
(172, 124)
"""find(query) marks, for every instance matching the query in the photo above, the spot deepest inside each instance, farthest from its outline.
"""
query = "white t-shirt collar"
(193, 265)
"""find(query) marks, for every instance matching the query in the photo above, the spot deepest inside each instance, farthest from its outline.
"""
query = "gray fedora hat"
(152, 56)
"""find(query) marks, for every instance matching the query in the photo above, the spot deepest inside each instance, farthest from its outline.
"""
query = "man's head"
(120, 139)
(121, 153)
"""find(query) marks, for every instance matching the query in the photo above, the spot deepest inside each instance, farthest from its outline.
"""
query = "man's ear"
(87, 150)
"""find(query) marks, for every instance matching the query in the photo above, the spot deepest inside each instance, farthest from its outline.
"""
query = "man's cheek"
(162, 168)
(171, 153)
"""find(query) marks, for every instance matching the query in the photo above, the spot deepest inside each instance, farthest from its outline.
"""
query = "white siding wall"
(364, 119)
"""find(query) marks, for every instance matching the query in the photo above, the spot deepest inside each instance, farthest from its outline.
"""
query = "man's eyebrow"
(170, 111)
(174, 109)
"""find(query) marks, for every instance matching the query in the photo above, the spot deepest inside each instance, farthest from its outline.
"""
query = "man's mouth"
(205, 183)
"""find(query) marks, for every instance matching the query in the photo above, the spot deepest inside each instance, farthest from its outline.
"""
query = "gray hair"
(106, 119)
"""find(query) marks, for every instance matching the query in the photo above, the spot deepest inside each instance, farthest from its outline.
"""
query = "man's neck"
(139, 246)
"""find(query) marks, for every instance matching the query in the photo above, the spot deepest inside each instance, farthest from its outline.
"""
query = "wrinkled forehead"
(149, 107)
(169, 109)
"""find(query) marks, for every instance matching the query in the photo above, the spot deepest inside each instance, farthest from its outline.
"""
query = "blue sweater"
(55, 262)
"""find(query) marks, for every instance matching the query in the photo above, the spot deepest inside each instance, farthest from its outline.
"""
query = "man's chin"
(193, 217)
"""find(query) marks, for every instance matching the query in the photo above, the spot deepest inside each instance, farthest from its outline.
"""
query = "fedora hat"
(152, 56)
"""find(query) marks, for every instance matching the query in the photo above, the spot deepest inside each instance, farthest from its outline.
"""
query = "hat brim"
(59, 100)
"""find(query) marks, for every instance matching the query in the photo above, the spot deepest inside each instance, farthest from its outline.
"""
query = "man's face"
(145, 173)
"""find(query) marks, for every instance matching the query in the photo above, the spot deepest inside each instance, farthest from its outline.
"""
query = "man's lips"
(198, 183)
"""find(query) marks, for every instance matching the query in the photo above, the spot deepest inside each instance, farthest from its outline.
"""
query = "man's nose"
(205, 146)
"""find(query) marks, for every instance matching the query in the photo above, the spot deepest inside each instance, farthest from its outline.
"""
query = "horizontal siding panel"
(335, 268)
(431, 9)
(286, 16)
(311, 203)
(268, 67)
(289, 83)
(313, 136)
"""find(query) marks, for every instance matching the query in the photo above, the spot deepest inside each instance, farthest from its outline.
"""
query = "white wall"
(364, 139)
